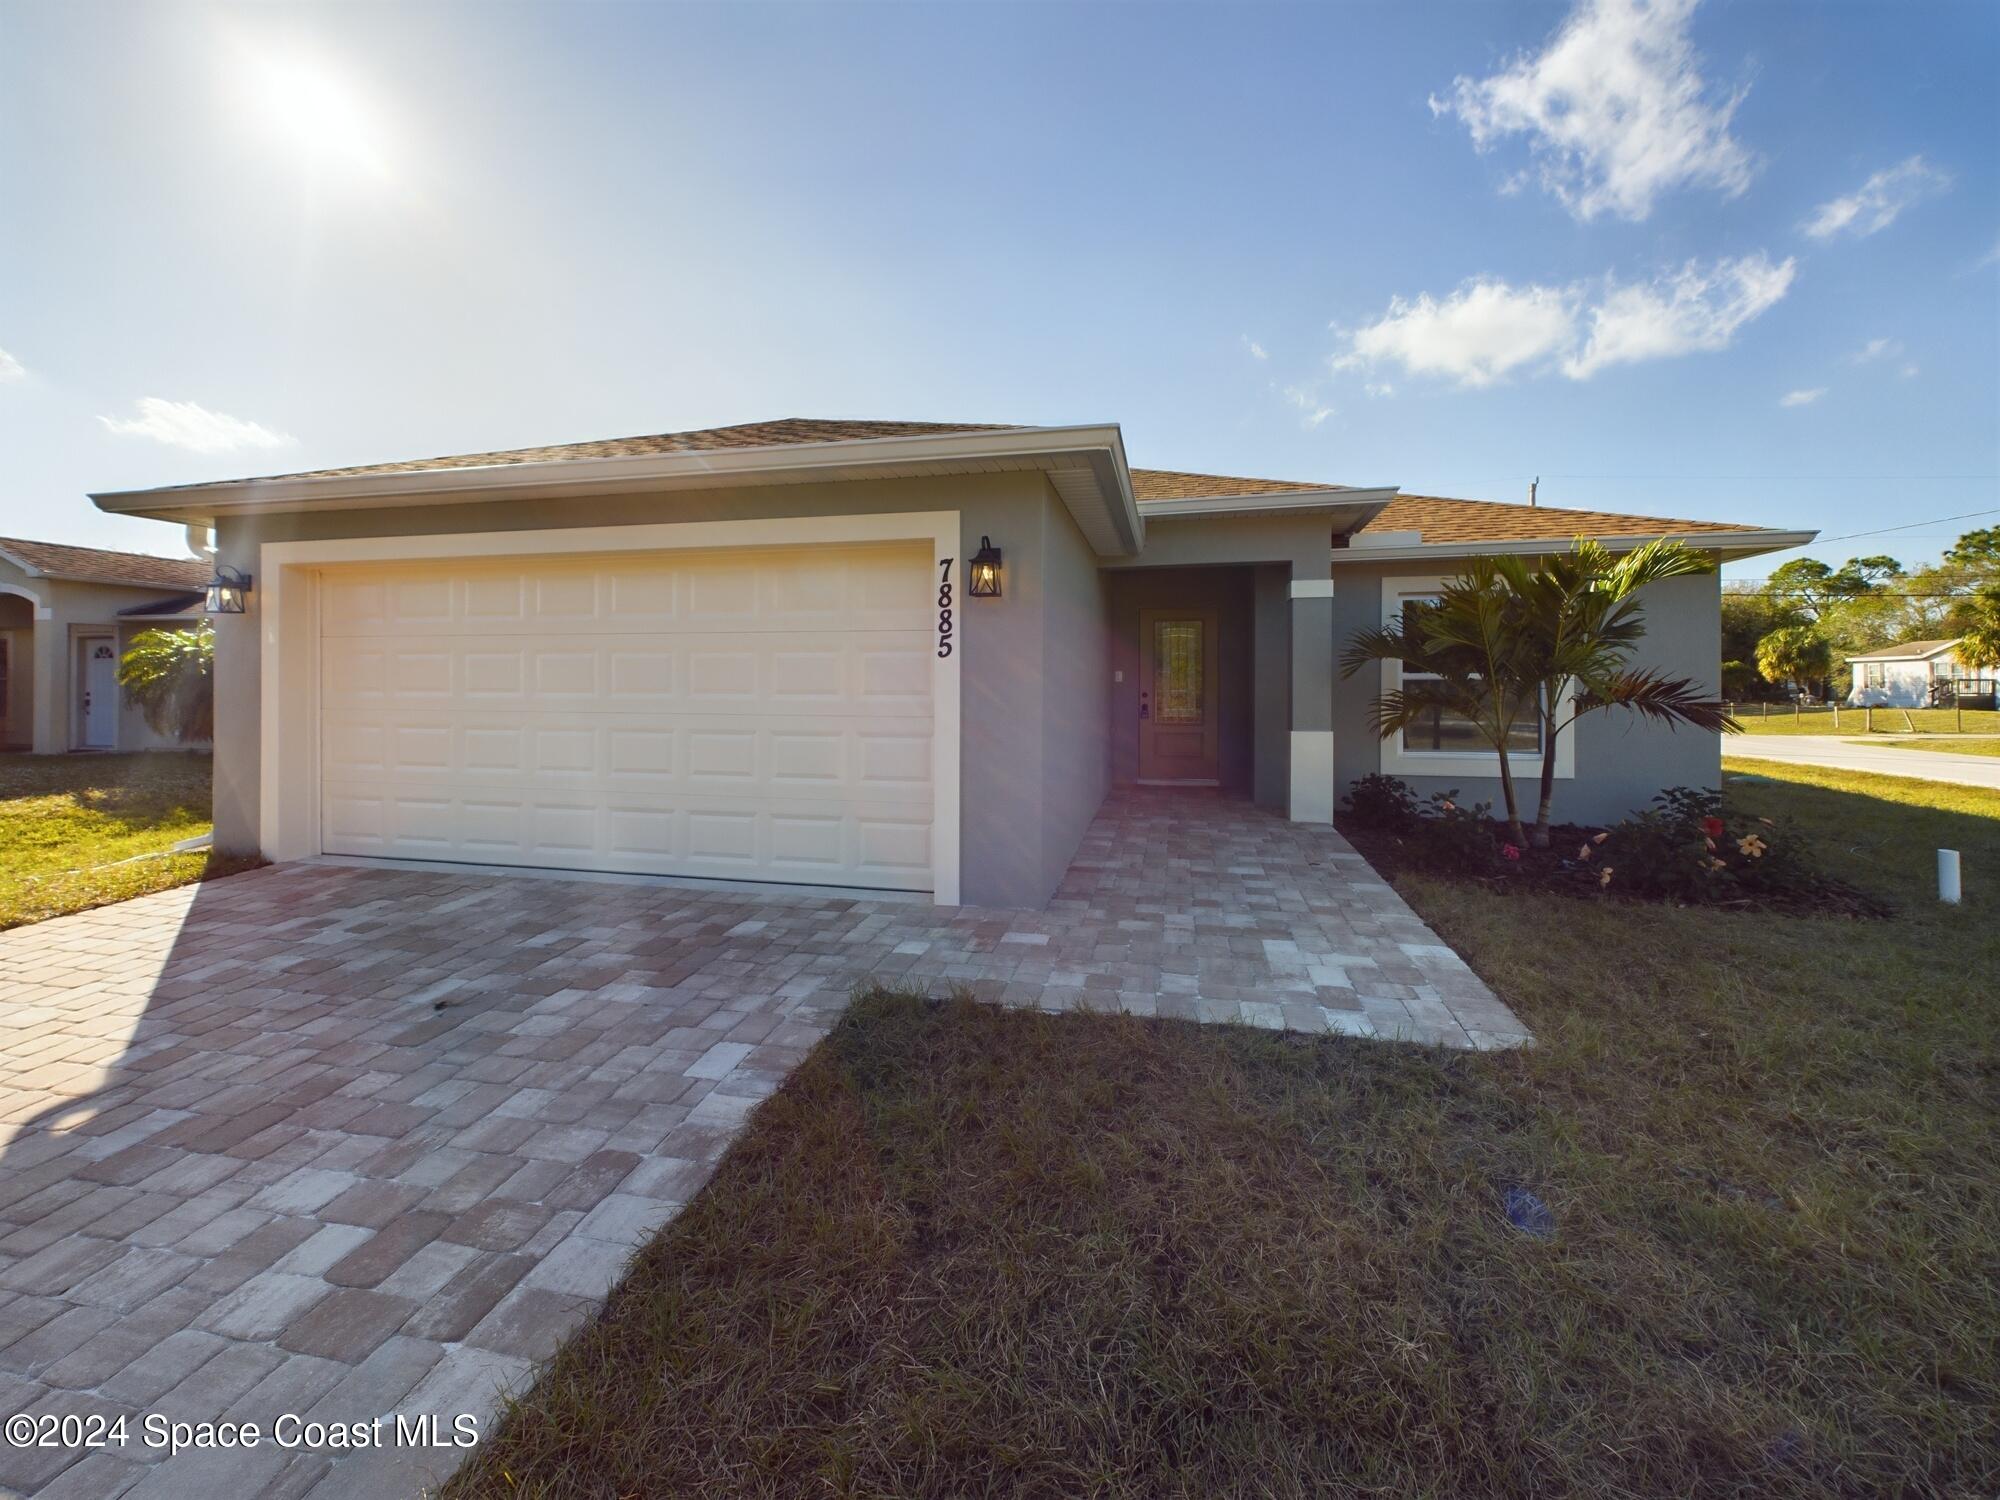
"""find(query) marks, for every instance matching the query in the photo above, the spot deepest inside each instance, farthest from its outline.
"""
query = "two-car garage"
(745, 713)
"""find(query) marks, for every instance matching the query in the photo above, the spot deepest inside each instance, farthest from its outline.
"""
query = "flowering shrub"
(1382, 802)
(1682, 848)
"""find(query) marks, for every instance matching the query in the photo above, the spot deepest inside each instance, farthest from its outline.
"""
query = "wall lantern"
(227, 591)
(985, 571)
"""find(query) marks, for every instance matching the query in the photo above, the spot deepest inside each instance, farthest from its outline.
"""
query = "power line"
(1913, 525)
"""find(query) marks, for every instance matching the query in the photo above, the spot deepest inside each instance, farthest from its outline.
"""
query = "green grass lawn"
(975, 1252)
(1958, 745)
(1854, 720)
(66, 822)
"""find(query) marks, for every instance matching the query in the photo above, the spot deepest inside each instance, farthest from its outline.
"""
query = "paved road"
(1843, 754)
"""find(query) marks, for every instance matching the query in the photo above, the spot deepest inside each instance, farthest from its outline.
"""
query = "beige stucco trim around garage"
(287, 592)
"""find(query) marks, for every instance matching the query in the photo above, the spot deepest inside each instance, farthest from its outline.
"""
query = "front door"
(99, 701)
(1177, 696)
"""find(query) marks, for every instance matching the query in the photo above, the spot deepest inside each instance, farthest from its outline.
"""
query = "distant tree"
(1814, 588)
(170, 674)
(1976, 549)
(1979, 642)
(1798, 654)
(1749, 614)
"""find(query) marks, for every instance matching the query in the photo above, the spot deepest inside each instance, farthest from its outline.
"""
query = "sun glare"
(311, 109)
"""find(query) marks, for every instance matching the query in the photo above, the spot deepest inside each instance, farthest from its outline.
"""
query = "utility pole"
(1536, 485)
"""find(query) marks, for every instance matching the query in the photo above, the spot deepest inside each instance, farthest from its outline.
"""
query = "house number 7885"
(944, 606)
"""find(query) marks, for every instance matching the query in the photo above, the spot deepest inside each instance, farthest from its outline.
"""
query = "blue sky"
(1736, 260)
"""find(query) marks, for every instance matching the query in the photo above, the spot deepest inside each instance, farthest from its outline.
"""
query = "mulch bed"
(1557, 870)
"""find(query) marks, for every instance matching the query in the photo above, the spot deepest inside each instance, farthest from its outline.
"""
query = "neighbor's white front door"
(758, 714)
(97, 703)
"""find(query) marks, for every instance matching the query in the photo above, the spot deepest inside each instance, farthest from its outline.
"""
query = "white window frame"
(1400, 761)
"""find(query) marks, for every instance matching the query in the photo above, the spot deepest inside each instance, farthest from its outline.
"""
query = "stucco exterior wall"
(1076, 694)
(1621, 761)
(44, 711)
(1022, 784)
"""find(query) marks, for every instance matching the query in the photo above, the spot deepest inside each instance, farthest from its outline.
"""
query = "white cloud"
(1257, 350)
(11, 369)
(1476, 336)
(1313, 412)
(183, 424)
(1908, 372)
(1876, 349)
(1614, 109)
(1691, 310)
(1875, 204)
(1488, 330)
(1802, 398)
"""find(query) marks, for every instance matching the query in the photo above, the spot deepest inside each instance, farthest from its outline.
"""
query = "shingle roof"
(1907, 651)
(1170, 484)
(95, 565)
(1442, 520)
(782, 433)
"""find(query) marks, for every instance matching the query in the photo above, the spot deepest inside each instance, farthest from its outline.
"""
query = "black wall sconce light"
(227, 591)
(985, 570)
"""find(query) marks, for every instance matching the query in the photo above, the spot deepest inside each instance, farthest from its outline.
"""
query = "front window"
(1446, 731)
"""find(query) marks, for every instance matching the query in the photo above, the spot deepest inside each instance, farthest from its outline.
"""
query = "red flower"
(1712, 827)
(1510, 851)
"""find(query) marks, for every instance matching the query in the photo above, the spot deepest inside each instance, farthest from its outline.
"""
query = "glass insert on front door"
(1177, 671)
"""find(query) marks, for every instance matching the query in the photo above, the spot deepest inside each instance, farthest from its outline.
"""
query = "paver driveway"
(337, 1141)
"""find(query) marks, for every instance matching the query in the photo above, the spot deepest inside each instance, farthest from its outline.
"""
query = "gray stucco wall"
(1621, 761)
(1076, 692)
(1023, 786)
(1271, 652)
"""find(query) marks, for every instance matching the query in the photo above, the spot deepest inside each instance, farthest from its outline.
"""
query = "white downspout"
(201, 540)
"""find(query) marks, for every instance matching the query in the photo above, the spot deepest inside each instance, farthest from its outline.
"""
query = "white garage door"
(743, 714)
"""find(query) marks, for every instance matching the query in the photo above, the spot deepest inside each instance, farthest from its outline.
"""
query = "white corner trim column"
(1312, 776)
(286, 609)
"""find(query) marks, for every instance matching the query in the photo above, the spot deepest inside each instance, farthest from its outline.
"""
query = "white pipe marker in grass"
(1948, 876)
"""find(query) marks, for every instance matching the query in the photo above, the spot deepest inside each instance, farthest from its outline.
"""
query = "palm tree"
(1467, 646)
(171, 676)
(1551, 639)
(1583, 620)
(1797, 654)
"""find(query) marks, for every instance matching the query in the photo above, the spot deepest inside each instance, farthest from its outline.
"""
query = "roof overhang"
(1085, 465)
(1727, 544)
(1894, 655)
(1344, 507)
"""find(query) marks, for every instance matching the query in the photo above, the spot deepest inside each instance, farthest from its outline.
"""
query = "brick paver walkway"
(339, 1142)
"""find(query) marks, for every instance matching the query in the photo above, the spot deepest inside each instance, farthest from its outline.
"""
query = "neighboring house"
(66, 616)
(1908, 675)
(751, 652)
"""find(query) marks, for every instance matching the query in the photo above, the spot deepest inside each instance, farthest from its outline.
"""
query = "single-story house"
(861, 654)
(1908, 675)
(66, 616)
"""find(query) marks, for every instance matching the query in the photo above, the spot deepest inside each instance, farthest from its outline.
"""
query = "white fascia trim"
(1332, 498)
(1101, 446)
(1396, 761)
(284, 610)
(1729, 543)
